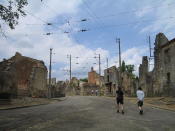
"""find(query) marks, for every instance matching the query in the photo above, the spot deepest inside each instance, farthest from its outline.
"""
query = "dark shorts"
(119, 100)
(140, 103)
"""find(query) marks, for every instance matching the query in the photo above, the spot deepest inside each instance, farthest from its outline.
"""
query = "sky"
(106, 20)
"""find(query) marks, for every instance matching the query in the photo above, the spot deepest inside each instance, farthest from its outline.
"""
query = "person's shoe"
(122, 112)
(117, 111)
(141, 112)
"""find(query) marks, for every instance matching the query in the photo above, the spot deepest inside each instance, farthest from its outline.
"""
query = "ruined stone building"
(145, 77)
(160, 81)
(23, 76)
(74, 87)
(164, 68)
(93, 77)
(59, 90)
(111, 77)
(53, 82)
(129, 84)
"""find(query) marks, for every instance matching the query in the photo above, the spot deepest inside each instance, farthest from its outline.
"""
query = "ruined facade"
(111, 78)
(93, 77)
(164, 68)
(73, 88)
(59, 90)
(86, 89)
(160, 81)
(23, 76)
(129, 84)
(145, 77)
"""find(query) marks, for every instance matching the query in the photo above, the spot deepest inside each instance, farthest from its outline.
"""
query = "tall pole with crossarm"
(118, 41)
(50, 70)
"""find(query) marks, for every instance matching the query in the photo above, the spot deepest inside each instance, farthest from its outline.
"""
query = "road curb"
(60, 99)
(18, 107)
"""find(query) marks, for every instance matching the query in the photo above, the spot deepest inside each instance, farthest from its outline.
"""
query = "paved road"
(86, 114)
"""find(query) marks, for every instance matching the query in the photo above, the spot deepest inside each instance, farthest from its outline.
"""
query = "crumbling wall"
(17, 79)
(38, 83)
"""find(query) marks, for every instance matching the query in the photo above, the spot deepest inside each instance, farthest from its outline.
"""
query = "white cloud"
(131, 56)
(142, 12)
(163, 20)
(30, 41)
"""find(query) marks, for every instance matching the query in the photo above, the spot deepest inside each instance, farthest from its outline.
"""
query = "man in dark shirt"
(119, 99)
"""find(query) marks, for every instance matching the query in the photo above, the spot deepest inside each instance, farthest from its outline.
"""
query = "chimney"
(92, 69)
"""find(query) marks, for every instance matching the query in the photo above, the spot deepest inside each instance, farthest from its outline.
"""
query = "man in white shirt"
(92, 92)
(96, 92)
(140, 97)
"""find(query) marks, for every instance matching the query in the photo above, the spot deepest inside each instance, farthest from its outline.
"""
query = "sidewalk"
(28, 102)
(167, 103)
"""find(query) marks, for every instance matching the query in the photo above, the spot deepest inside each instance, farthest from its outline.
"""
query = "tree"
(11, 12)
(130, 68)
(123, 67)
(84, 80)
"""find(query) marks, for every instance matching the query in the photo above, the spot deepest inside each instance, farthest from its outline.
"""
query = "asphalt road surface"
(91, 113)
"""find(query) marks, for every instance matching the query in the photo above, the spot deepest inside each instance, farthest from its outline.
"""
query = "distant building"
(23, 76)
(93, 77)
(53, 82)
(145, 77)
(59, 89)
(111, 79)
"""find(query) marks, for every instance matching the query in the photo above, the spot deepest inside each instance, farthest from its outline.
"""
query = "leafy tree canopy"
(11, 12)
(130, 68)
(123, 67)
(84, 80)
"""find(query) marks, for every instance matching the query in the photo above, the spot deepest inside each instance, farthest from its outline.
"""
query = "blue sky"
(130, 20)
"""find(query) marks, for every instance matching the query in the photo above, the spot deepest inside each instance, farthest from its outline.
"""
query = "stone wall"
(111, 78)
(164, 66)
(28, 76)
(160, 81)
(59, 90)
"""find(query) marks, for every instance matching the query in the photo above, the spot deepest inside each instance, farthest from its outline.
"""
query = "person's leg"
(118, 108)
(117, 101)
(141, 107)
(140, 104)
(122, 107)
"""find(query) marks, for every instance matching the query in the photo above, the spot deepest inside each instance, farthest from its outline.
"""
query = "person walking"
(96, 92)
(119, 99)
(92, 92)
(140, 97)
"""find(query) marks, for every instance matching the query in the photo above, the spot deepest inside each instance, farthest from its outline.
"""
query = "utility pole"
(99, 64)
(149, 39)
(70, 67)
(118, 41)
(99, 72)
(107, 62)
(50, 69)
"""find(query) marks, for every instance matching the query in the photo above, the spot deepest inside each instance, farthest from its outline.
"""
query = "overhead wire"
(91, 13)
(125, 24)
